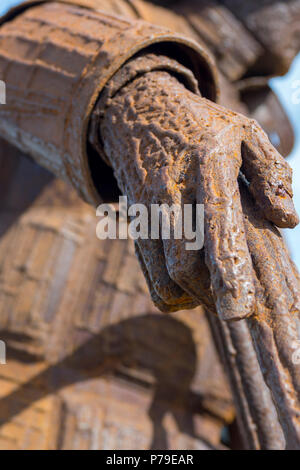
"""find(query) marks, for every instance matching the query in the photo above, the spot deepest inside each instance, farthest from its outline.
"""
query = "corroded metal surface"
(181, 148)
(238, 51)
(84, 370)
(256, 414)
(66, 317)
(60, 78)
(170, 139)
(275, 332)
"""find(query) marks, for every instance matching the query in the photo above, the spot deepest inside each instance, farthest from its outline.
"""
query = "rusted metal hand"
(179, 147)
(168, 145)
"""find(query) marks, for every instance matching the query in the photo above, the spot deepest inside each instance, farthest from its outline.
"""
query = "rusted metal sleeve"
(140, 65)
(55, 59)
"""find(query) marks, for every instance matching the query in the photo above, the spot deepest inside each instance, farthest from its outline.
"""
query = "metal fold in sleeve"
(55, 58)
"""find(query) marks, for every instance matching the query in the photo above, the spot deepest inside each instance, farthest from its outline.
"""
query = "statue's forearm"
(56, 59)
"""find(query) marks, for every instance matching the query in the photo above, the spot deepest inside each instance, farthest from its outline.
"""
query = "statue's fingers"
(270, 178)
(227, 254)
(165, 293)
(281, 291)
(290, 273)
(188, 269)
(270, 256)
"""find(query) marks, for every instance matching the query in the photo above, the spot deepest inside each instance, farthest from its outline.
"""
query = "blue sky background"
(284, 88)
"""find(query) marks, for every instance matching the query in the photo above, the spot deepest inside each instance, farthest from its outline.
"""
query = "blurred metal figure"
(91, 362)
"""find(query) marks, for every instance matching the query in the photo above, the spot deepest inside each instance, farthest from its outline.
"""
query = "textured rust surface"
(83, 368)
(274, 330)
(238, 51)
(64, 55)
(139, 66)
(75, 312)
(256, 414)
(169, 139)
(179, 148)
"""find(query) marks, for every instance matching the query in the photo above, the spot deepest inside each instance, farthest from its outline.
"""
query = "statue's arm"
(166, 142)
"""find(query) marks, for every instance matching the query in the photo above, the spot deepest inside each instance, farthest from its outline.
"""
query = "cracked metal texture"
(83, 369)
(65, 55)
(270, 332)
(166, 135)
